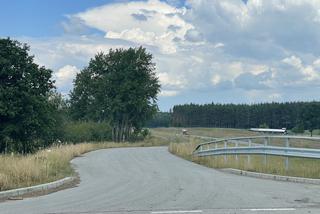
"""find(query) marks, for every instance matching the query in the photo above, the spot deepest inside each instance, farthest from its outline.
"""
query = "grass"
(298, 167)
(53, 163)
(210, 132)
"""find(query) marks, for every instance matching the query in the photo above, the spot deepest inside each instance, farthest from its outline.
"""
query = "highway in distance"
(153, 181)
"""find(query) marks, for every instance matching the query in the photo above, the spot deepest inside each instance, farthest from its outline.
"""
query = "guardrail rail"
(245, 146)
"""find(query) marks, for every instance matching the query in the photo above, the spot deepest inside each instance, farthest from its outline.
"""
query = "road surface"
(151, 180)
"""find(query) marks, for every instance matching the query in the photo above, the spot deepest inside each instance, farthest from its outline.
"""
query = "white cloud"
(255, 51)
(146, 23)
(65, 76)
(173, 82)
(309, 72)
(168, 93)
(215, 79)
(293, 61)
(218, 45)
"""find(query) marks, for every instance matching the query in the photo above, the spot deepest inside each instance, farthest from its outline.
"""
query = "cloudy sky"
(222, 51)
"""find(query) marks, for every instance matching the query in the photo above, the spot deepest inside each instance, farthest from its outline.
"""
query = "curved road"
(151, 180)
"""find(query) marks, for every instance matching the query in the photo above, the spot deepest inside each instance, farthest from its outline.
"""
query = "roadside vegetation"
(298, 167)
(112, 99)
(53, 163)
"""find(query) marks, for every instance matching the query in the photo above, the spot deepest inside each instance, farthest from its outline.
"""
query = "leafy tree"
(59, 114)
(24, 107)
(120, 87)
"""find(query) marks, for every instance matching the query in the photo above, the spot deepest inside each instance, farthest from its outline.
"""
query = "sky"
(221, 51)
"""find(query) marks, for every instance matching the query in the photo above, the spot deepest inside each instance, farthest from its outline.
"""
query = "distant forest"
(290, 115)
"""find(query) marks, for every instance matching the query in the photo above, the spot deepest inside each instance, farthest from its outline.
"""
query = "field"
(300, 167)
(53, 163)
(209, 132)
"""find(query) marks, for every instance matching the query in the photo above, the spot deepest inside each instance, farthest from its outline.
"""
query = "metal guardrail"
(244, 146)
(248, 139)
(263, 150)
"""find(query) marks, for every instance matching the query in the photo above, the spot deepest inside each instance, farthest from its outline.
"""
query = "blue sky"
(222, 51)
(39, 18)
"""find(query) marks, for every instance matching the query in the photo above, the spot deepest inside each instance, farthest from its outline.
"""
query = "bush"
(86, 131)
(298, 128)
(139, 135)
(264, 126)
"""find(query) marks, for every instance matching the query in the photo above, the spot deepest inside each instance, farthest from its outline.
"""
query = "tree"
(311, 116)
(24, 107)
(274, 115)
(120, 87)
(298, 129)
(161, 119)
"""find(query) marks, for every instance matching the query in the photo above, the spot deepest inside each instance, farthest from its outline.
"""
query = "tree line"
(112, 99)
(290, 115)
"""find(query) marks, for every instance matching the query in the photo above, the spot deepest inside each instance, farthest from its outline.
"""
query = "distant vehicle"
(272, 131)
(184, 131)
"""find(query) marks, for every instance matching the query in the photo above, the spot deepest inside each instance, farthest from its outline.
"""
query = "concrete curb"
(35, 189)
(272, 177)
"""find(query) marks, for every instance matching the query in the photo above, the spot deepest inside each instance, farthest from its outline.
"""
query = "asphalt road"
(151, 180)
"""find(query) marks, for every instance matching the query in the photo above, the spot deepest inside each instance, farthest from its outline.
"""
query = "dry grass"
(52, 164)
(298, 167)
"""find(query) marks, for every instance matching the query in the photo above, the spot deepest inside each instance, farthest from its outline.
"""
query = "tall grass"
(53, 163)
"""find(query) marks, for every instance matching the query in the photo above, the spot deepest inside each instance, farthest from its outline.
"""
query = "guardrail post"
(237, 144)
(225, 156)
(266, 142)
(287, 158)
(249, 144)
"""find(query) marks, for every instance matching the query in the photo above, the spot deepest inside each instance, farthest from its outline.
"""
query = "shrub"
(86, 131)
(298, 128)
(264, 126)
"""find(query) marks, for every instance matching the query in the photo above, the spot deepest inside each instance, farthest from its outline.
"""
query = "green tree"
(120, 87)
(311, 116)
(24, 107)
(299, 128)
(161, 119)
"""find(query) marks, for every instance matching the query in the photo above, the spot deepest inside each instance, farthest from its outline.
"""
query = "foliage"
(24, 105)
(120, 87)
(85, 132)
(311, 116)
(264, 126)
(161, 119)
(274, 115)
(299, 128)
